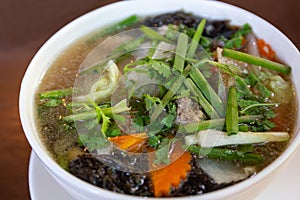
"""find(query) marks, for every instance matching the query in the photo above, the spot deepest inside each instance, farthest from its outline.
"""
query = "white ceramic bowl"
(109, 14)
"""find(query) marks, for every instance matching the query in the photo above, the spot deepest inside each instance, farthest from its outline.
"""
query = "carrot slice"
(266, 50)
(170, 176)
(131, 143)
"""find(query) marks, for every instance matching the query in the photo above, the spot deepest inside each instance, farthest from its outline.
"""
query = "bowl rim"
(75, 182)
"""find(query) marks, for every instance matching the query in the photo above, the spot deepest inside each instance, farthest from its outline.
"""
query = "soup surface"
(170, 105)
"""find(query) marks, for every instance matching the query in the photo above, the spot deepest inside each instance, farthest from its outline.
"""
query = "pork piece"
(188, 111)
(227, 79)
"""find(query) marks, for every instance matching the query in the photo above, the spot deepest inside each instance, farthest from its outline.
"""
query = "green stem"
(56, 94)
(227, 154)
(257, 105)
(207, 90)
(180, 54)
(196, 39)
(127, 22)
(232, 123)
(213, 124)
(152, 34)
(237, 55)
(208, 108)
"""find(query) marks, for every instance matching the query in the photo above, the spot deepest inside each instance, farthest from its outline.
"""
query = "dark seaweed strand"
(212, 29)
(90, 169)
(197, 182)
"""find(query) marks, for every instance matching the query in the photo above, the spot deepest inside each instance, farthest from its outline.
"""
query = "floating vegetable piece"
(214, 138)
(106, 84)
(171, 175)
(282, 90)
(163, 50)
(132, 142)
(222, 171)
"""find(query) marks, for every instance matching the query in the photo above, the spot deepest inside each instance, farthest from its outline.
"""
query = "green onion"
(129, 46)
(227, 154)
(207, 90)
(56, 94)
(181, 49)
(210, 111)
(213, 124)
(152, 34)
(237, 55)
(232, 124)
(196, 39)
(127, 22)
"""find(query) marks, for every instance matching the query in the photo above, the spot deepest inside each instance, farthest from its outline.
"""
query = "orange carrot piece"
(266, 50)
(131, 143)
(170, 176)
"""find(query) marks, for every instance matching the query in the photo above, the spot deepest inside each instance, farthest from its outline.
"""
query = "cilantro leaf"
(236, 40)
(93, 140)
(161, 67)
(162, 153)
(151, 101)
(113, 131)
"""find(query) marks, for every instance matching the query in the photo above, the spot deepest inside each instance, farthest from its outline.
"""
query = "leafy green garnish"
(113, 131)
(162, 153)
(236, 40)
(93, 140)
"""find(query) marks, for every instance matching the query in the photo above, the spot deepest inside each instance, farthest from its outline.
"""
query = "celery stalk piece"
(214, 138)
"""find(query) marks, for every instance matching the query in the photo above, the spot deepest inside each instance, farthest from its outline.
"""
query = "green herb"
(237, 39)
(162, 152)
(256, 83)
(113, 130)
(254, 105)
(93, 141)
(169, 119)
